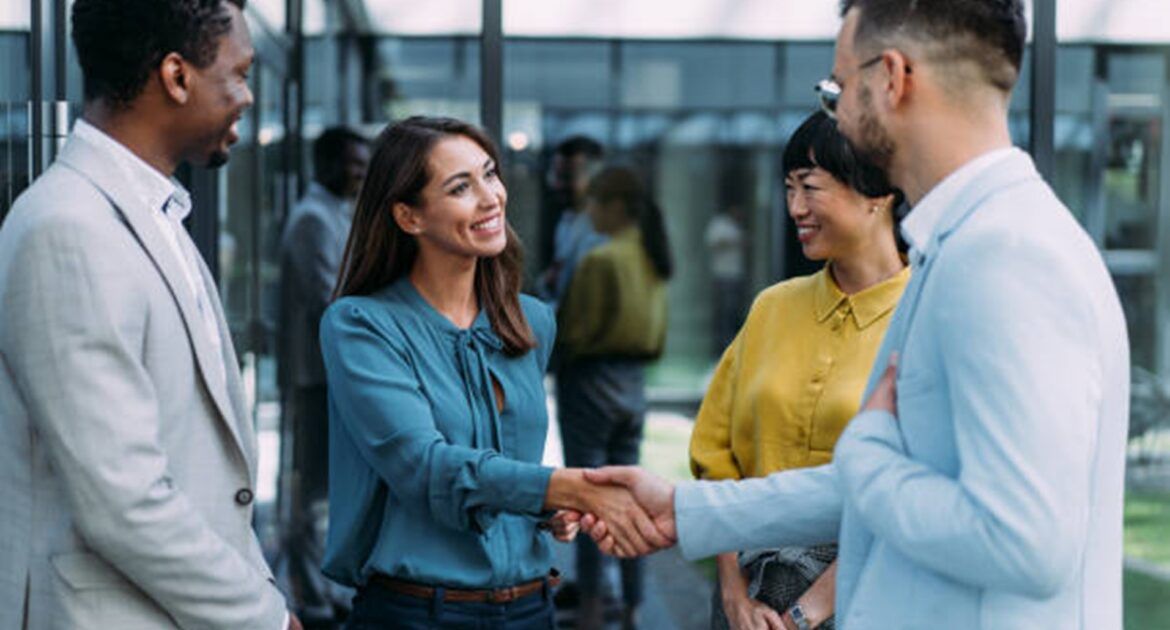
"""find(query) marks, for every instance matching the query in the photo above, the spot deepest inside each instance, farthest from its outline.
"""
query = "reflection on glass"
(1131, 179)
(435, 77)
(14, 116)
(1137, 298)
(236, 233)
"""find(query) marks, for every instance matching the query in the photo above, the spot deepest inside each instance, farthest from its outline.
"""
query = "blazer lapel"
(231, 366)
(1005, 174)
(92, 164)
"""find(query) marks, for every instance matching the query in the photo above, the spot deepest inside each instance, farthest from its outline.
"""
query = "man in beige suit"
(127, 459)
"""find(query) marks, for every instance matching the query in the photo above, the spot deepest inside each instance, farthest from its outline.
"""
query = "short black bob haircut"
(120, 42)
(818, 143)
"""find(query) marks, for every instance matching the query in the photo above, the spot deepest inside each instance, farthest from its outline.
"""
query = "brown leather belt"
(490, 595)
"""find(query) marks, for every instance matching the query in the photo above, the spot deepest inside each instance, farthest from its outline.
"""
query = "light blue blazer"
(994, 499)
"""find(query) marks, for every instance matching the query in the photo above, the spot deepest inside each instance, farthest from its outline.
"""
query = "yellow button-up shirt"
(792, 378)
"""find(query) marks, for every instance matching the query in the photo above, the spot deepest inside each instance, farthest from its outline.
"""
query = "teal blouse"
(428, 481)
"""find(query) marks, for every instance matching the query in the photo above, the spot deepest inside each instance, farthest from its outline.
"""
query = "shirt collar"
(921, 225)
(866, 306)
(151, 187)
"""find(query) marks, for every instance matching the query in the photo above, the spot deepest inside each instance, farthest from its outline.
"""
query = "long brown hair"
(379, 252)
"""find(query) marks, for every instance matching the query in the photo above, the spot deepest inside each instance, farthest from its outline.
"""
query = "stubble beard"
(873, 144)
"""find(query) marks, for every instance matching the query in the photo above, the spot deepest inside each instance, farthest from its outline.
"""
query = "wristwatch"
(799, 618)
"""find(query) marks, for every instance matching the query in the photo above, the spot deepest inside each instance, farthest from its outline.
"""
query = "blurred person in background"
(311, 247)
(726, 253)
(793, 377)
(574, 161)
(612, 322)
(435, 366)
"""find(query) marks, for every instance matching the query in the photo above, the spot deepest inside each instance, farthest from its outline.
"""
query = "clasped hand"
(626, 510)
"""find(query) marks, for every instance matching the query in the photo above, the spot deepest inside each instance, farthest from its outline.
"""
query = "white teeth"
(489, 224)
(805, 230)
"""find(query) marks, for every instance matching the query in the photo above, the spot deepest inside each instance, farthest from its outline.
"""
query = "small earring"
(874, 209)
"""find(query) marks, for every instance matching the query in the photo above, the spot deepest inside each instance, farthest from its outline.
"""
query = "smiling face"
(219, 94)
(833, 221)
(461, 209)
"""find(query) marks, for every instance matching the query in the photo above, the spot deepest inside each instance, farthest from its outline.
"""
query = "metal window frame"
(491, 56)
(1042, 142)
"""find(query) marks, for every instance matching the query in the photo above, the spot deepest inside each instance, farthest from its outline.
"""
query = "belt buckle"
(500, 595)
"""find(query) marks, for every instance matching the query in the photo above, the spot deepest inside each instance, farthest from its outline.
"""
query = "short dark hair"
(580, 145)
(818, 143)
(120, 42)
(329, 148)
(989, 33)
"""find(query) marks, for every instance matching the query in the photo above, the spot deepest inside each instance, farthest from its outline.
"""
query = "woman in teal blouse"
(435, 367)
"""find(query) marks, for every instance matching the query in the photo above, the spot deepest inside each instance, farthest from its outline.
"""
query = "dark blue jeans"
(601, 404)
(377, 608)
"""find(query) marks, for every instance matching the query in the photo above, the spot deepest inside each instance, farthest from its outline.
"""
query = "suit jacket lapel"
(235, 387)
(92, 164)
(997, 179)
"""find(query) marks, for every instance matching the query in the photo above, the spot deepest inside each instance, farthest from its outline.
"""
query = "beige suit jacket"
(127, 466)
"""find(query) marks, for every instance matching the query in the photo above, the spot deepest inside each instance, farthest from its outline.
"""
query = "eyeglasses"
(829, 90)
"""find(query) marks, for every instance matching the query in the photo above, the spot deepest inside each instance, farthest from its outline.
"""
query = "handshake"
(626, 510)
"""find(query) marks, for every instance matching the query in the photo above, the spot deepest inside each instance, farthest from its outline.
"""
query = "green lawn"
(664, 447)
(1147, 526)
(1147, 602)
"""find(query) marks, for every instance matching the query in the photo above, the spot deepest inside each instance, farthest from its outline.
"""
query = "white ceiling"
(14, 15)
(1106, 21)
(1121, 21)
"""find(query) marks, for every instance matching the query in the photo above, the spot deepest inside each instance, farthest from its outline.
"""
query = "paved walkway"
(677, 595)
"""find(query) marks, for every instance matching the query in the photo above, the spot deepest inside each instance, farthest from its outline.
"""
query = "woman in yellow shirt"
(613, 320)
(793, 377)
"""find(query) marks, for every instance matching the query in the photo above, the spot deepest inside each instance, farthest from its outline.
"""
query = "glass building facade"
(698, 95)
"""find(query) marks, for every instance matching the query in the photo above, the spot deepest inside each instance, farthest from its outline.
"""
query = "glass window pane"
(558, 74)
(1134, 113)
(700, 74)
(15, 82)
(431, 76)
(804, 66)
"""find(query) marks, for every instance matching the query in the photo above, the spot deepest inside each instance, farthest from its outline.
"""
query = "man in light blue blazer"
(981, 485)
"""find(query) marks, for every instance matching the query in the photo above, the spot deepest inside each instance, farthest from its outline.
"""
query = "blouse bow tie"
(469, 353)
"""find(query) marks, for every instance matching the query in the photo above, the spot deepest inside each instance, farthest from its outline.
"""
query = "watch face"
(797, 614)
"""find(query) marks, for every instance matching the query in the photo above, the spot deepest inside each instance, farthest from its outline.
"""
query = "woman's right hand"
(743, 612)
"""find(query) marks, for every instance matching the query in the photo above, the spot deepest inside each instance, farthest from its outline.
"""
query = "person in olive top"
(612, 321)
(435, 367)
(794, 375)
